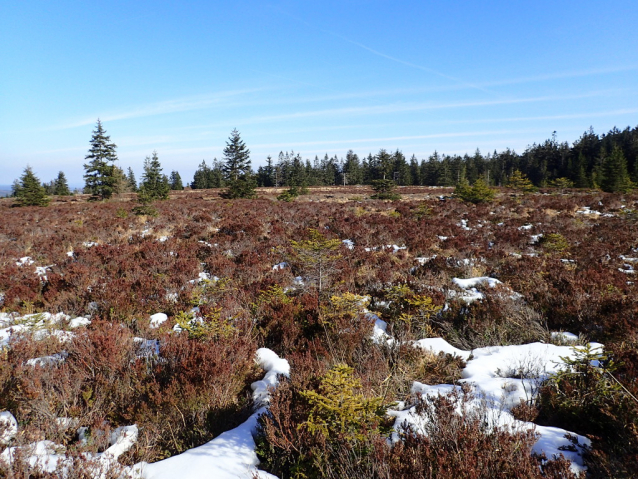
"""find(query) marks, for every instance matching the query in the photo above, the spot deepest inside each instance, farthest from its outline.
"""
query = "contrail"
(389, 57)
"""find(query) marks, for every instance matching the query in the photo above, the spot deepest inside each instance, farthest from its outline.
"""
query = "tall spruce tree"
(175, 181)
(615, 177)
(100, 179)
(30, 191)
(130, 180)
(154, 185)
(60, 185)
(200, 178)
(236, 168)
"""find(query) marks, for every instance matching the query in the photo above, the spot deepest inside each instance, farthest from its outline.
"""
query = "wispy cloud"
(161, 108)
(351, 141)
(404, 107)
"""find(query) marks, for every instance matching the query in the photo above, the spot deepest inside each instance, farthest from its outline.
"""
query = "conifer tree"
(520, 181)
(121, 181)
(60, 185)
(100, 179)
(236, 168)
(479, 192)
(176, 181)
(30, 191)
(154, 185)
(614, 173)
(130, 179)
(200, 178)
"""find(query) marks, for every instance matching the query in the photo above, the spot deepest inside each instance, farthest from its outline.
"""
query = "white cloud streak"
(162, 107)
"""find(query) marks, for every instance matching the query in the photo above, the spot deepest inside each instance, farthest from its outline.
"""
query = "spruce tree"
(236, 168)
(479, 192)
(100, 179)
(60, 185)
(30, 191)
(130, 179)
(154, 185)
(176, 181)
(614, 173)
(520, 181)
(200, 178)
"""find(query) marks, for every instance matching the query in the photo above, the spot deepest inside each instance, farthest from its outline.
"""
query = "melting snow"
(502, 377)
(231, 454)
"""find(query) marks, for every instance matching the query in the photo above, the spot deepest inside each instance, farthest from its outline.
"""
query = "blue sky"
(313, 77)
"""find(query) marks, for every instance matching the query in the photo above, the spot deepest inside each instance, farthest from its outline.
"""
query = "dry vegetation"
(197, 386)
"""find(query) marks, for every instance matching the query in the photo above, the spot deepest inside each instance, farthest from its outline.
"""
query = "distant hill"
(5, 190)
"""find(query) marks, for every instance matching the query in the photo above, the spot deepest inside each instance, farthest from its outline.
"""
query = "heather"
(354, 293)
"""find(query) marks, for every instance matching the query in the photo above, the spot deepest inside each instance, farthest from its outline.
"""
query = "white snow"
(280, 266)
(231, 454)
(586, 210)
(438, 345)
(157, 319)
(47, 455)
(535, 238)
(469, 286)
(379, 334)
(425, 259)
(51, 360)
(24, 261)
(8, 427)
(502, 376)
(348, 243)
(79, 321)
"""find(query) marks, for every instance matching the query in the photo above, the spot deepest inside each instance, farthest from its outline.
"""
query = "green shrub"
(384, 190)
(479, 192)
(554, 242)
(306, 431)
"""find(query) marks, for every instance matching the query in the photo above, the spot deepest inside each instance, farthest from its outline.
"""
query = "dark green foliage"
(175, 181)
(154, 185)
(208, 177)
(236, 169)
(479, 192)
(130, 179)
(292, 193)
(30, 191)
(100, 179)
(614, 173)
(60, 185)
(384, 190)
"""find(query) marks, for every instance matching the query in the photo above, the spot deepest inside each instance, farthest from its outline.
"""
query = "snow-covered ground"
(502, 376)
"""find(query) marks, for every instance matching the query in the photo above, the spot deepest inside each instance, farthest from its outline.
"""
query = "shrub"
(554, 243)
(30, 191)
(384, 190)
(587, 398)
(305, 431)
(479, 192)
(521, 182)
(459, 439)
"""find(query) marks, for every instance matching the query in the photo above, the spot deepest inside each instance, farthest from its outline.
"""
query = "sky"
(313, 77)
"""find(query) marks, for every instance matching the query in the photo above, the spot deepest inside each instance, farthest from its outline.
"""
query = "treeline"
(608, 161)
